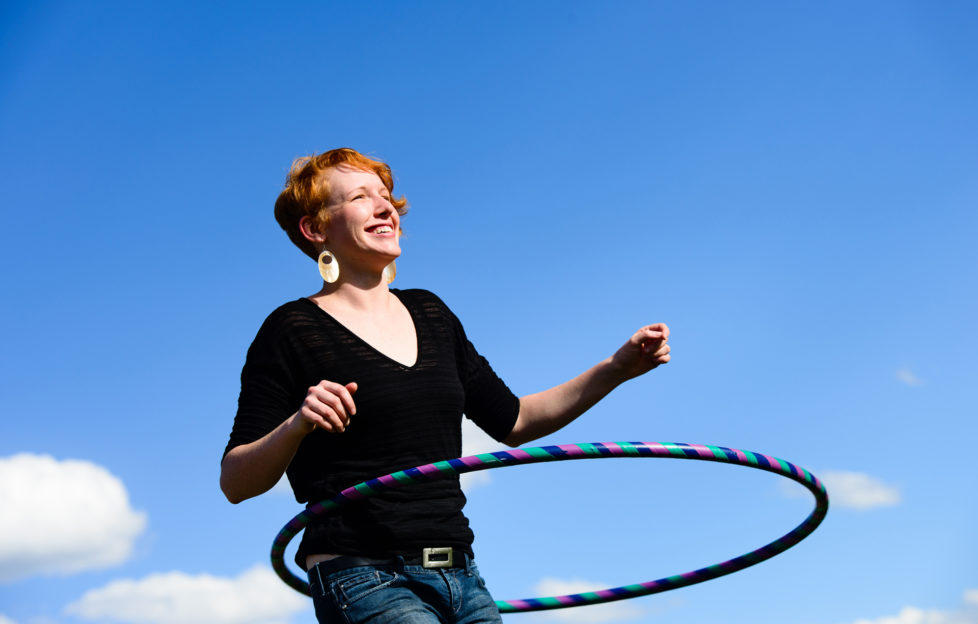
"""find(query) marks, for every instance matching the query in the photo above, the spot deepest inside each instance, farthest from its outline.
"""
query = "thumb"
(352, 387)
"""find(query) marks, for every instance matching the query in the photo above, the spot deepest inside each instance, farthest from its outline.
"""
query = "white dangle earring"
(390, 271)
(329, 267)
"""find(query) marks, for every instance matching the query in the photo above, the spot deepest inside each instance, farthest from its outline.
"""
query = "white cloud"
(474, 442)
(622, 611)
(907, 377)
(5, 620)
(256, 596)
(914, 615)
(67, 516)
(856, 490)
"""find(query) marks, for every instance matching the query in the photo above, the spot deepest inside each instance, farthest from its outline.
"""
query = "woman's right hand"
(327, 405)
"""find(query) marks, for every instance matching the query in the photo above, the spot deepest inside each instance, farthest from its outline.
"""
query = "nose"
(382, 206)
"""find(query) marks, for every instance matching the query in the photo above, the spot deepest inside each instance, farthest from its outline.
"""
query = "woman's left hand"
(645, 350)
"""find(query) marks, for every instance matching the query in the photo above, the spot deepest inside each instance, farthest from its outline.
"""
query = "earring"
(389, 272)
(329, 267)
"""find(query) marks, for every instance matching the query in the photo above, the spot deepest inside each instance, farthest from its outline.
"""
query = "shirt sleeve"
(268, 393)
(489, 402)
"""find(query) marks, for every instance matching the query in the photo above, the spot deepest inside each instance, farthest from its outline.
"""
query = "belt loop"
(399, 562)
(319, 575)
(468, 565)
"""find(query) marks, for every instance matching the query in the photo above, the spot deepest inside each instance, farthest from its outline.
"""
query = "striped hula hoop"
(563, 452)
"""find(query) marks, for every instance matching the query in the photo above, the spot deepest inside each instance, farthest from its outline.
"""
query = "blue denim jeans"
(402, 594)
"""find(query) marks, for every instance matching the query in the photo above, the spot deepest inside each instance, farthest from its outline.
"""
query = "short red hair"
(306, 192)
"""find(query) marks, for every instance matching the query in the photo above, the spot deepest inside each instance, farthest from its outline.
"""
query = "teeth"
(384, 229)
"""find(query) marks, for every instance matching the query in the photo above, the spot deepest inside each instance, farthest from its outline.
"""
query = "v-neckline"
(360, 339)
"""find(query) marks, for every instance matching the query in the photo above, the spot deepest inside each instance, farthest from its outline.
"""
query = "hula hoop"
(563, 452)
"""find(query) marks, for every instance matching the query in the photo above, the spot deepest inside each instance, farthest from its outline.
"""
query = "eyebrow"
(364, 187)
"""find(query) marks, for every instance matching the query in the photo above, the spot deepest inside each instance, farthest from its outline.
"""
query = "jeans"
(402, 594)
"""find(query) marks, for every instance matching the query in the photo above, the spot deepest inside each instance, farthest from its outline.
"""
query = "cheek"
(341, 222)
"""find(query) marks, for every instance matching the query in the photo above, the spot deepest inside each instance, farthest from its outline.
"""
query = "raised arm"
(252, 469)
(546, 412)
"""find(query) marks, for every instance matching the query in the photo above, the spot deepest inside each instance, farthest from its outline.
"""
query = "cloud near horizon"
(256, 596)
(914, 615)
(71, 515)
(856, 490)
(851, 490)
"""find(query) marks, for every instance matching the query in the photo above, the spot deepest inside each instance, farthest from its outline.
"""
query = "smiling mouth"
(381, 229)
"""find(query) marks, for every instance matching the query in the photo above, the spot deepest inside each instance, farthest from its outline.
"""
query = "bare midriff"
(312, 560)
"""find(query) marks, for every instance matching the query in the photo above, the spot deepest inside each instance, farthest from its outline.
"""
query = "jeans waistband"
(432, 558)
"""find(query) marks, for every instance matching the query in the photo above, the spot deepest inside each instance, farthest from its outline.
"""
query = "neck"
(357, 295)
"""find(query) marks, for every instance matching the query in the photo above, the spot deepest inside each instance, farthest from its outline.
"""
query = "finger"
(660, 328)
(344, 393)
(321, 421)
(336, 422)
(652, 347)
(321, 401)
(326, 395)
(645, 335)
(347, 396)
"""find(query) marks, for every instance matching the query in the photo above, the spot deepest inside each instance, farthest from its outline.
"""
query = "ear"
(309, 230)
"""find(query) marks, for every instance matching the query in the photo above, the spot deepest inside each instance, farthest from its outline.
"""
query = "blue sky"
(792, 186)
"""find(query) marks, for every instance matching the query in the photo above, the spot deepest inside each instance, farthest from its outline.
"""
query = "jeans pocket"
(359, 583)
(478, 577)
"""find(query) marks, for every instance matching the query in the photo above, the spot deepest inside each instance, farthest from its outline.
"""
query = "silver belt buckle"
(436, 557)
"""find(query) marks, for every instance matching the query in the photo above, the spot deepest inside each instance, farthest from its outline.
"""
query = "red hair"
(306, 192)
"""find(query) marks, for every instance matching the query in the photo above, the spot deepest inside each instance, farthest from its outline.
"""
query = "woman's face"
(363, 225)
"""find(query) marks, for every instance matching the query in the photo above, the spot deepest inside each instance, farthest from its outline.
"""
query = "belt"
(429, 558)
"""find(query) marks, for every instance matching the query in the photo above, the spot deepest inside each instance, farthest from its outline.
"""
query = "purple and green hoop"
(563, 452)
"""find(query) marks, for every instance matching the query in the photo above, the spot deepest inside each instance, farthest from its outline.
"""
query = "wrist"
(298, 427)
(613, 373)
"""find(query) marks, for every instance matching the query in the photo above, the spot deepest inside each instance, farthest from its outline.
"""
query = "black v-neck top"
(406, 416)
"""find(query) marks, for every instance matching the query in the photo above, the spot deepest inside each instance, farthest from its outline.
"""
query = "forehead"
(342, 179)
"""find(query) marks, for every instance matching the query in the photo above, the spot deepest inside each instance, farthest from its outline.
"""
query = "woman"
(360, 380)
